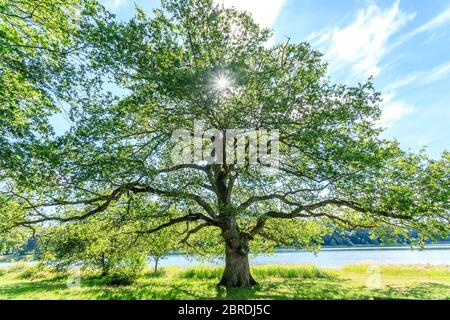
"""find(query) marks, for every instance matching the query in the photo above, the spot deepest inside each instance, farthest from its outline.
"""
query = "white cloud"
(393, 110)
(409, 79)
(264, 12)
(360, 45)
(421, 78)
(436, 74)
(114, 4)
(433, 24)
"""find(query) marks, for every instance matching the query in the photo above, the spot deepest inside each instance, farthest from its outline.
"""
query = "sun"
(222, 82)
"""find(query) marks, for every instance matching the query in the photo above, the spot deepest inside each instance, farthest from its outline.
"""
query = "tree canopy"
(334, 169)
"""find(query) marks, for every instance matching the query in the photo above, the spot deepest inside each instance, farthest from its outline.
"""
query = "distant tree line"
(362, 237)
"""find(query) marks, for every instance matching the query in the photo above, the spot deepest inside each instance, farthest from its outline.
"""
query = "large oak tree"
(335, 168)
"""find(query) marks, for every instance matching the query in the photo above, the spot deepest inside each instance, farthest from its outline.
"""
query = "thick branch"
(181, 167)
(194, 230)
(115, 195)
(258, 227)
(175, 194)
(282, 197)
(188, 218)
(298, 211)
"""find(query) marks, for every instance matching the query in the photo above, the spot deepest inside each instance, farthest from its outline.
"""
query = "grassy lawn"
(275, 282)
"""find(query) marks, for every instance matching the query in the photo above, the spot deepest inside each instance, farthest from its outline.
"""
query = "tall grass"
(201, 272)
(260, 272)
(290, 272)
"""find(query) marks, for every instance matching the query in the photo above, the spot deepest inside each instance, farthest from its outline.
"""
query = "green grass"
(275, 282)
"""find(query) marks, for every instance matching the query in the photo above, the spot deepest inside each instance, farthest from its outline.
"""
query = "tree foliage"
(39, 41)
(112, 242)
(335, 168)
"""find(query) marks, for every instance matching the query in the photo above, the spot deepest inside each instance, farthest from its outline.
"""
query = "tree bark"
(237, 268)
(104, 265)
(156, 264)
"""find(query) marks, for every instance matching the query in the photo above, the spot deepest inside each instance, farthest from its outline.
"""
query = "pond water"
(338, 257)
(334, 257)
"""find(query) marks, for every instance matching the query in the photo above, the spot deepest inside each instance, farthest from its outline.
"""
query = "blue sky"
(404, 44)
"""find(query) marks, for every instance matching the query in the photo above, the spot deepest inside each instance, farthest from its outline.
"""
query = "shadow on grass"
(421, 291)
(36, 287)
(288, 290)
(158, 287)
(278, 290)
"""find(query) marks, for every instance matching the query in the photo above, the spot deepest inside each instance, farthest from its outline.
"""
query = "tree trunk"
(104, 265)
(237, 268)
(156, 264)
